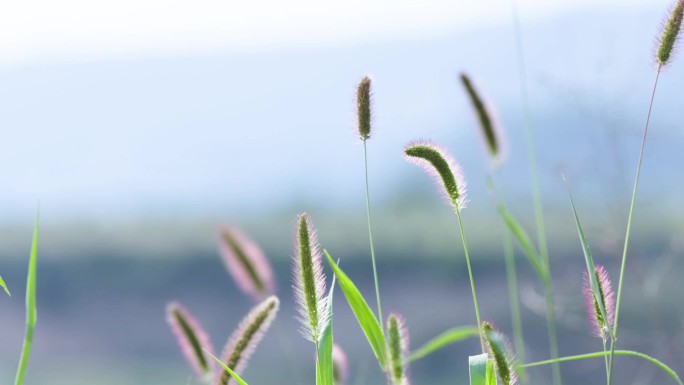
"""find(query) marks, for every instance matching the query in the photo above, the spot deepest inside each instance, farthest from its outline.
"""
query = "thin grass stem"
(646, 357)
(370, 236)
(472, 281)
(534, 181)
(629, 223)
(513, 293)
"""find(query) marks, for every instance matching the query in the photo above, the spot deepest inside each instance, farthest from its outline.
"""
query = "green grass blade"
(229, 370)
(448, 337)
(324, 363)
(646, 357)
(481, 370)
(364, 315)
(4, 286)
(591, 269)
(523, 239)
(30, 309)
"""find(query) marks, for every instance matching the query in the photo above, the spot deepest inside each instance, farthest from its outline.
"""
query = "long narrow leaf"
(324, 363)
(448, 337)
(591, 268)
(523, 239)
(4, 286)
(30, 308)
(364, 315)
(229, 370)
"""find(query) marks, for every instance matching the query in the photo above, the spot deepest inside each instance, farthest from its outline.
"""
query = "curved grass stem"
(629, 223)
(472, 281)
(646, 357)
(370, 237)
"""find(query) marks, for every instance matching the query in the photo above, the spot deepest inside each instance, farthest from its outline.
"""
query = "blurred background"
(139, 127)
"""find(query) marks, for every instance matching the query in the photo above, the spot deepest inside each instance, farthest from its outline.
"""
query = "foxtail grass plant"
(398, 349)
(364, 113)
(668, 39)
(246, 338)
(492, 135)
(193, 340)
(448, 175)
(246, 263)
(500, 351)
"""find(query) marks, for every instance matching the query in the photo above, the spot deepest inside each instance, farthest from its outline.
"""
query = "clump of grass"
(246, 338)
(309, 281)
(246, 262)
(192, 338)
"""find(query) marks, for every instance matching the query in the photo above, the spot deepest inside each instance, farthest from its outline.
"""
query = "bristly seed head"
(491, 131)
(440, 165)
(600, 327)
(192, 339)
(398, 348)
(363, 107)
(246, 337)
(669, 34)
(502, 354)
(340, 365)
(246, 262)
(309, 281)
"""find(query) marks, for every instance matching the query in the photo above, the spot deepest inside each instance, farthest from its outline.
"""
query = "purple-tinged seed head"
(192, 339)
(398, 349)
(246, 262)
(442, 167)
(500, 350)
(340, 365)
(246, 338)
(308, 280)
(364, 105)
(598, 325)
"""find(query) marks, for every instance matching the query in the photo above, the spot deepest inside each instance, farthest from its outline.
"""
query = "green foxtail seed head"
(598, 323)
(440, 165)
(246, 337)
(491, 131)
(398, 347)
(309, 281)
(246, 262)
(668, 37)
(500, 351)
(363, 107)
(192, 338)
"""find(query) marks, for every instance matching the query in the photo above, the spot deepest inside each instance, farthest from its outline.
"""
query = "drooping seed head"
(599, 326)
(340, 365)
(363, 107)
(246, 262)
(670, 33)
(500, 351)
(309, 281)
(491, 131)
(246, 337)
(192, 338)
(398, 348)
(441, 166)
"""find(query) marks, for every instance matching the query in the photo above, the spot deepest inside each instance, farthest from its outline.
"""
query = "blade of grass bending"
(324, 362)
(646, 357)
(523, 239)
(364, 315)
(30, 308)
(229, 370)
(4, 286)
(448, 337)
(481, 370)
(591, 268)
